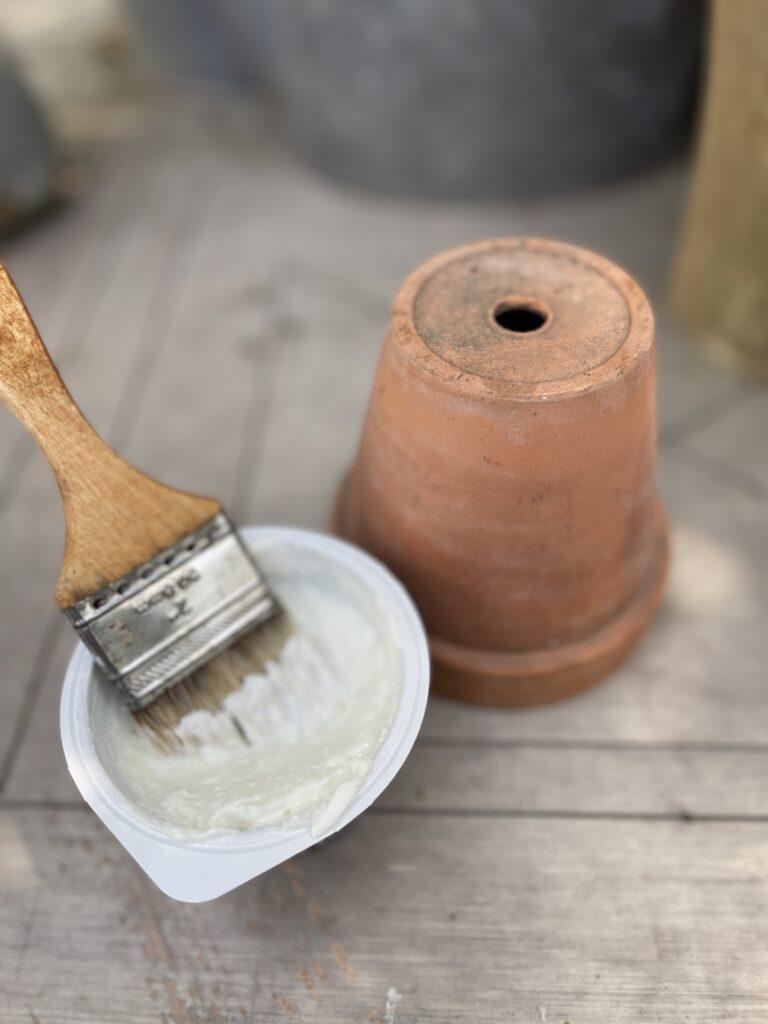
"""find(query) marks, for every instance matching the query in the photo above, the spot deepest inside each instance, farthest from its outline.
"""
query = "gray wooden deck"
(217, 311)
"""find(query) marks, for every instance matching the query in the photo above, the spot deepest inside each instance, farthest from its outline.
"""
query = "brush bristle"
(208, 687)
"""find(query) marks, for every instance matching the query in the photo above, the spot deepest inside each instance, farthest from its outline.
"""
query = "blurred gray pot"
(210, 40)
(26, 149)
(485, 97)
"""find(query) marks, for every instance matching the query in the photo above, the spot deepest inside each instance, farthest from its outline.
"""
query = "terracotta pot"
(506, 467)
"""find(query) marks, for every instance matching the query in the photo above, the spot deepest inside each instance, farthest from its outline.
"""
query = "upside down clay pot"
(506, 467)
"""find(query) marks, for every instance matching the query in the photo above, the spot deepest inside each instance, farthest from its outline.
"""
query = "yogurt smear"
(314, 721)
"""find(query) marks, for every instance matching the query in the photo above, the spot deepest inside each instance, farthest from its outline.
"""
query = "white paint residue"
(390, 1007)
(314, 721)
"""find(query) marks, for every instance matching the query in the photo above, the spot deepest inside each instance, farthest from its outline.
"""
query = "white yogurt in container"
(328, 727)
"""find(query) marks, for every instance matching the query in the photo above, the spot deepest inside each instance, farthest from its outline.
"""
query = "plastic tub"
(196, 871)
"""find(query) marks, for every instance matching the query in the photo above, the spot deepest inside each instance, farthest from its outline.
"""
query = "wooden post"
(720, 284)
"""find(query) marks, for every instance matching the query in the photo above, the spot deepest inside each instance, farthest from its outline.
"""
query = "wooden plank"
(560, 778)
(35, 761)
(327, 347)
(512, 777)
(691, 393)
(735, 442)
(63, 269)
(513, 920)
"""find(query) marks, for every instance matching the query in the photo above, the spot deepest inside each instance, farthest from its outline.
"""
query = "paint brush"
(157, 582)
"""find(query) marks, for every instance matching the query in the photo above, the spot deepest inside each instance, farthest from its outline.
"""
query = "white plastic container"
(197, 871)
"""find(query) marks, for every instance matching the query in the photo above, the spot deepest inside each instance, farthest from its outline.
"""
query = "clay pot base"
(497, 679)
(541, 677)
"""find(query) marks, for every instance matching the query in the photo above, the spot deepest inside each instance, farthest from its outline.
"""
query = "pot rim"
(637, 344)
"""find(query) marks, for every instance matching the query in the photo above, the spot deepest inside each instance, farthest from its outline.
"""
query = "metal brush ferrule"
(154, 626)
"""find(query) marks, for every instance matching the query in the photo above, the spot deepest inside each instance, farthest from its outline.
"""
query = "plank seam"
(267, 359)
(739, 479)
(704, 414)
(650, 746)
(32, 689)
(684, 817)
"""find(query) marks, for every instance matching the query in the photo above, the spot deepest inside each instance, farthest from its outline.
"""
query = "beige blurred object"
(720, 284)
(79, 58)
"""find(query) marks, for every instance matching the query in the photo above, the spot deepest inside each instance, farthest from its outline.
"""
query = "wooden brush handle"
(116, 517)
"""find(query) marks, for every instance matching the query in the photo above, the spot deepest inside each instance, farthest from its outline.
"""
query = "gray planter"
(26, 149)
(485, 97)
(210, 40)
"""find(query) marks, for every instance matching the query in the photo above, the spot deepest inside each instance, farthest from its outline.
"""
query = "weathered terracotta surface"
(508, 477)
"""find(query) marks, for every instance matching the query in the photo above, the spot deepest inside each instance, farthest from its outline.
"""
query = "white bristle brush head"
(208, 687)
